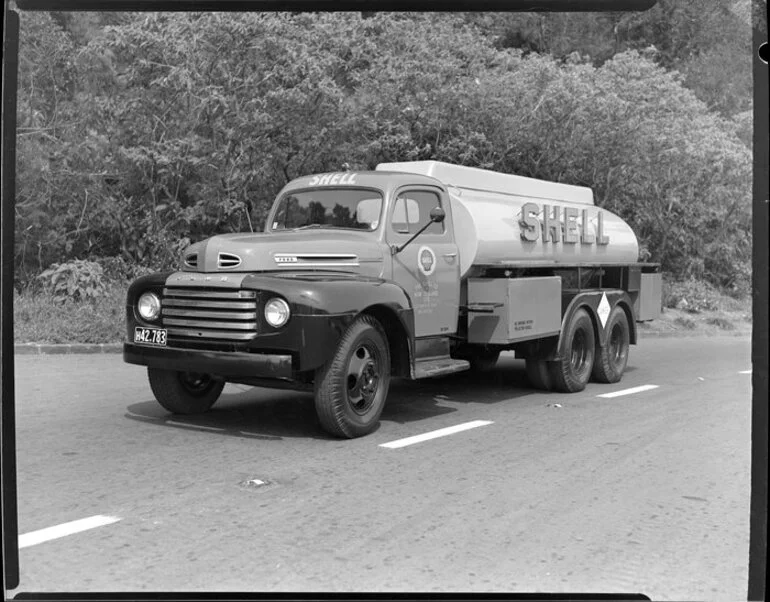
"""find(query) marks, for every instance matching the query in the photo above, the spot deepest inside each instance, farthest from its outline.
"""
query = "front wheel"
(570, 374)
(611, 359)
(351, 389)
(184, 392)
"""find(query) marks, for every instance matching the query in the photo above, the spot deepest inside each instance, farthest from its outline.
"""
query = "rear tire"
(611, 360)
(570, 374)
(482, 359)
(351, 389)
(184, 392)
(539, 374)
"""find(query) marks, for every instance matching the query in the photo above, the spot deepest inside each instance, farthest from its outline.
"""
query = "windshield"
(352, 208)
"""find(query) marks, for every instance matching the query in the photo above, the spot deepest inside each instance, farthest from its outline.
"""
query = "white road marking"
(745, 372)
(629, 391)
(451, 430)
(75, 526)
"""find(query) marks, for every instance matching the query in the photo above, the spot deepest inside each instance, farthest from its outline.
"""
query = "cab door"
(428, 269)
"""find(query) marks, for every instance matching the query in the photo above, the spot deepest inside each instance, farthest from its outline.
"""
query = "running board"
(438, 366)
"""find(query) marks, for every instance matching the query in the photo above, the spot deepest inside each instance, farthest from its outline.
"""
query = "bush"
(117, 271)
(76, 280)
(686, 323)
(694, 296)
(721, 323)
(42, 318)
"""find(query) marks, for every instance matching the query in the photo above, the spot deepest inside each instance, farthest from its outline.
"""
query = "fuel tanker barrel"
(508, 220)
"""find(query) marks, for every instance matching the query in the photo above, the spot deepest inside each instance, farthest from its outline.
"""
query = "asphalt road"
(645, 492)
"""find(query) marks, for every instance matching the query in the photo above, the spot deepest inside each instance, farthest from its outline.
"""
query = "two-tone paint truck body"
(413, 270)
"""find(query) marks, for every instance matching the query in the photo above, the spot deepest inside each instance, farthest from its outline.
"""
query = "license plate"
(150, 336)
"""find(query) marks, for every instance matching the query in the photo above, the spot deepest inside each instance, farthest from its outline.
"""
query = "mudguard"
(323, 305)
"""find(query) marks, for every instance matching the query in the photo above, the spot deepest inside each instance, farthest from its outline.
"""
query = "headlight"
(277, 312)
(148, 306)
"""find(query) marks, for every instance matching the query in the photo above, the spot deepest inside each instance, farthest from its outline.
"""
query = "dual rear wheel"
(583, 359)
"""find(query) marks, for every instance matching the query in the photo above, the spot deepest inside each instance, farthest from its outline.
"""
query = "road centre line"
(76, 526)
(628, 391)
(451, 430)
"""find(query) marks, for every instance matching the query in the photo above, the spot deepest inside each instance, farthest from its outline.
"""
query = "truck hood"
(286, 251)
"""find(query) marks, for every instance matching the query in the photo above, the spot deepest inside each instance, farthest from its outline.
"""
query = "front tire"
(611, 360)
(570, 374)
(351, 389)
(184, 392)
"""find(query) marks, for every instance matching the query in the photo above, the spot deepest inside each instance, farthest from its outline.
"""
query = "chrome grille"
(219, 314)
(228, 260)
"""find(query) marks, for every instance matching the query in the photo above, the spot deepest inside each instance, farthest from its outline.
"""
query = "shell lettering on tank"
(333, 179)
(560, 224)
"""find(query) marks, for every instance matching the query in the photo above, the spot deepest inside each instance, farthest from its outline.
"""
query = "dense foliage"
(141, 133)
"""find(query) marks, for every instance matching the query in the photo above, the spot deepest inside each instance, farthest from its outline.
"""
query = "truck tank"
(500, 219)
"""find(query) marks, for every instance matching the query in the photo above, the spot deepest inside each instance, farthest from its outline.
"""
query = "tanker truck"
(414, 270)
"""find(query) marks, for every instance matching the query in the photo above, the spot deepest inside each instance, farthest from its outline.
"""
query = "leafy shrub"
(722, 323)
(686, 323)
(39, 317)
(118, 271)
(76, 280)
(694, 296)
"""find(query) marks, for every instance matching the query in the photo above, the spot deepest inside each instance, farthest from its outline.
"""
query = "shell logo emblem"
(426, 260)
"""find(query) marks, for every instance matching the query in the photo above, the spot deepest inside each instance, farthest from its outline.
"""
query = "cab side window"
(412, 211)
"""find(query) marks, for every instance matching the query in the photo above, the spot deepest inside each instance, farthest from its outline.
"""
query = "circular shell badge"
(426, 260)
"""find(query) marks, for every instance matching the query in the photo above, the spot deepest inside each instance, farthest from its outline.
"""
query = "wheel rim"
(579, 352)
(195, 383)
(617, 344)
(363, 378)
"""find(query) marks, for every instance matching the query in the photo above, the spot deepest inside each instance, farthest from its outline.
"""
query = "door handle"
(450, 254)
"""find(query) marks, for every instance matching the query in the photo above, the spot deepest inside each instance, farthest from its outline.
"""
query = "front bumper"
(217, 363)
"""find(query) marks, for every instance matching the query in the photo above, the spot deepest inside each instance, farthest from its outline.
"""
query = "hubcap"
(363, 378)
(616, 344)
(579, 352)
(195, 382)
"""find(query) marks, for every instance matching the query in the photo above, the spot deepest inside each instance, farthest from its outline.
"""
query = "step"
(438, 366)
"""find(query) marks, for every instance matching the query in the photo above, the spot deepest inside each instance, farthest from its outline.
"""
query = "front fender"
(323, 306)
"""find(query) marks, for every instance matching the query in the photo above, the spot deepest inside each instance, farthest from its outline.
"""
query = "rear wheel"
(570, 374)
(184, 392)
(611, 360)
(481, 358)
(351, 389)
(539, 375)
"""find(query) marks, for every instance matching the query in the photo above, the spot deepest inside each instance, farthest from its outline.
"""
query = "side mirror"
(437, 215)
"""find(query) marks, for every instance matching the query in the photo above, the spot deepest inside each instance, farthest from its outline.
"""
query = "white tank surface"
(509, 220)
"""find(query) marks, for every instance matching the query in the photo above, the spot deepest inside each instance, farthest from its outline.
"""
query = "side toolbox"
(505, 310)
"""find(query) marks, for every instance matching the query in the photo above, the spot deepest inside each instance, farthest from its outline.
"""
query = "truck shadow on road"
(409, 401)
(273, 415)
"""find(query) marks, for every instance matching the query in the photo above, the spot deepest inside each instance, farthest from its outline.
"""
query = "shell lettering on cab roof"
(330, 179)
